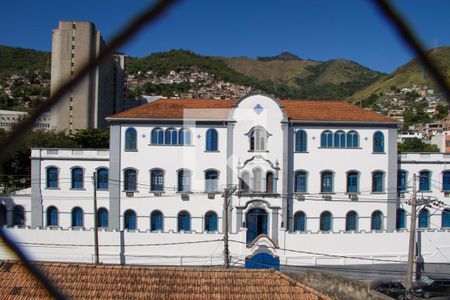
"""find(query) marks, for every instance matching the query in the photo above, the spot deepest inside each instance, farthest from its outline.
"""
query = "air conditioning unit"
(301, 197)
(185, 197)
(129, 194)
(211, 195)
(326, 197)
(157, 194)
(353, 197)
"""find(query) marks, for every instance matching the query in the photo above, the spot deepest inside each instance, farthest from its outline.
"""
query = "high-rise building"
(98, 95)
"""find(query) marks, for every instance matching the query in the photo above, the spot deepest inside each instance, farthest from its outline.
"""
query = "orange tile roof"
(302, 110)
(81, 281)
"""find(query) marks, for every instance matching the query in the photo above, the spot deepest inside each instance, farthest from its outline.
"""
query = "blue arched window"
(211, 181)
(424, 216)
(446, 181)
(377, 182)
(3, 213)
(129, 219)
(300, 221)
(18, 215)
(211, 221)
(424, 181)
(184, 136)
(300, 141)
(325, 221)
(301, 182)
(102, 179)
(402, 181)
(130, 179)
(352, 182)
(130, 139)
(339, 139)
(401, 219)
(184, 221)
(77, 217)
(52, 177)
(378, 142)
(156, 221)
(326, 182)
(184, 180)
(157, 180)
(446, 218)
(326, 139)
(212, 139)
(102, 217)
(157, 136)
(52, 216)
(351, 221)
(352, 139)
(77, 178)
(376, 220)
(171, 137)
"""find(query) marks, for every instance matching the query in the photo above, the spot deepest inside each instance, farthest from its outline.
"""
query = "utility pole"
(228, 191)
(412, 236)
(95, 220)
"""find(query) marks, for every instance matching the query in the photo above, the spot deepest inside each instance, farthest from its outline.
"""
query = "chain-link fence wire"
(150, 15)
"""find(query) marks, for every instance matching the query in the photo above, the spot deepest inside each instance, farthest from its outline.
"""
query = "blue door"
(262, 261)
(256, 221)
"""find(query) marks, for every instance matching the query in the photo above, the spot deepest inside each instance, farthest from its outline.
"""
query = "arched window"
(325, 221)
(52, 216)
(157, 180)
(326, 139)
(102, 179)
(376, 220)
(184, 136)
(18, 215)
(77, 178)
(171, 137)
(351, 221)
(352, 139)
(377, 182)
(352, 182)
(339, 139)
(156, 221)
(424, 216)
(258, 139)
(257, 180)
(157, 136)
(130, 178)
(424, 181)
(378, 142)
(270, 182)
(102, 217)
(130, 139)
(326, 182)
(184, 180)
(300, 221)
(446, 218)
(52, 177)
(184, 221)
(77, 217)
(300, 141)
(446, 181)
(211, 221)
(3, 213)
(129, 219)
(212, 139)
(211, 181)
(244, 182)
(301, 182)
(401, 219)
(402, 181)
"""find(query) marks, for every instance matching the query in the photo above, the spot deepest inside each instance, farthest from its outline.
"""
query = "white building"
(9, 118)
(306, 172)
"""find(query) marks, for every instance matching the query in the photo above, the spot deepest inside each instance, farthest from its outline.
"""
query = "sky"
(311, 29)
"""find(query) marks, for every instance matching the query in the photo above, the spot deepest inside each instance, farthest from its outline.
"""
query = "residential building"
(9, 118)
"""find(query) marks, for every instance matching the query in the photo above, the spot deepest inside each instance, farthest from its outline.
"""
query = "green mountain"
(408, 74)
(21, 60)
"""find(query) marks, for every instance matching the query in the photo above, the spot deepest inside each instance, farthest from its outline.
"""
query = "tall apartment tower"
(98, 95)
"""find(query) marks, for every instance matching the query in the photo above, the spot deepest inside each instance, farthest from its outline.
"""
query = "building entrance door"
(256, 221)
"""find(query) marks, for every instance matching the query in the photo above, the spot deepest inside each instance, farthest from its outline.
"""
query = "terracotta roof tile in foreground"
(300, 110)
(81, 281)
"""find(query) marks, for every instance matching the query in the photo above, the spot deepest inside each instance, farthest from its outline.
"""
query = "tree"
(442, 111)
(416, 145)
(91, 138)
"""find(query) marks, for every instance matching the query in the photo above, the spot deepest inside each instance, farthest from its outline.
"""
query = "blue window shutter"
(424, 181)
(102, 218)
(351, 221)
(446, 218)
(401, 219)
(299, 221)
(423, 218)
(446, 181)
(378, 142)
(323, 140)
(377, 220)
(167, 137)
(130, 139)
(325, 221)
(154, 136)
